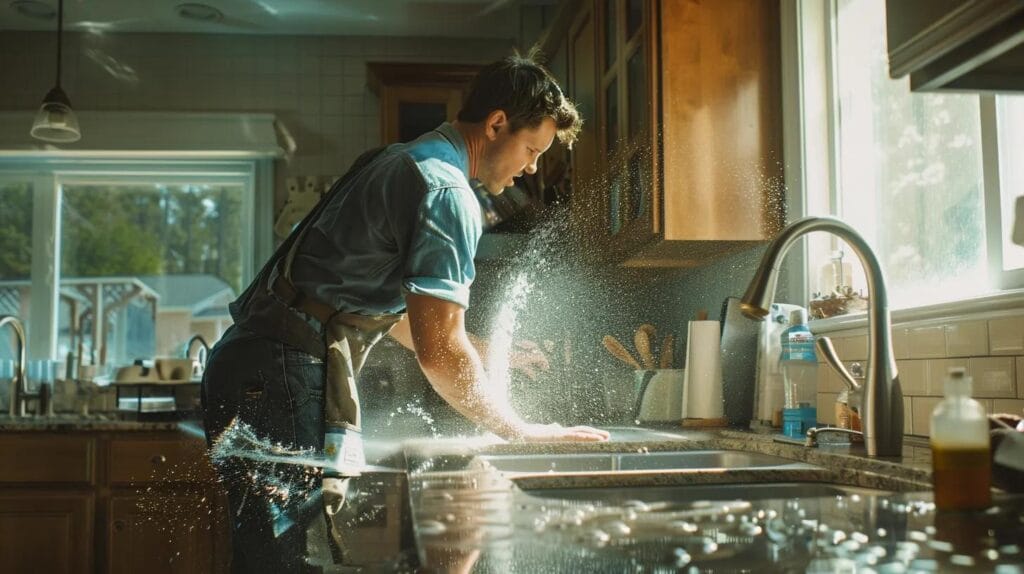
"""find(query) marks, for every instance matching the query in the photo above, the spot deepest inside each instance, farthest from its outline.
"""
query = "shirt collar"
(458, 142)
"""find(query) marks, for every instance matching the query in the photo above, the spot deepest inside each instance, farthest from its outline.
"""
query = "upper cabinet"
(680, 157)
(960, 45)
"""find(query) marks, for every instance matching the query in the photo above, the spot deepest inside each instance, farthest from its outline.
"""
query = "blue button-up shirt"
(407, 223)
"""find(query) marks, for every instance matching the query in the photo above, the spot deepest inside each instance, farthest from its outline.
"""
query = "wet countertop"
(468, 516)
(85, 423)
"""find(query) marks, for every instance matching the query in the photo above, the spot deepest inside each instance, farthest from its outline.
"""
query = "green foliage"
(15, 231)
(130, 230)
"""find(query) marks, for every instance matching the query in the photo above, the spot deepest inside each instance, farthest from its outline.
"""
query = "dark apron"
(268, 307)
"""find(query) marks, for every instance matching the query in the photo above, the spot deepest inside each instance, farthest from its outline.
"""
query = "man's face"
(508, 155)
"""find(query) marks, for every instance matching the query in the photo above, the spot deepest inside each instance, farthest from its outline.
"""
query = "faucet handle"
(828, 351)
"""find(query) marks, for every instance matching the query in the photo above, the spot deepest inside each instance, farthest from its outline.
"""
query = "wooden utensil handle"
(619, 351)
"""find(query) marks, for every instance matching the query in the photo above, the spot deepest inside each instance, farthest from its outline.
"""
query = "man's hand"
(557, 433)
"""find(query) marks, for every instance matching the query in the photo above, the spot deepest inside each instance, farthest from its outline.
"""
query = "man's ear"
(495, 122)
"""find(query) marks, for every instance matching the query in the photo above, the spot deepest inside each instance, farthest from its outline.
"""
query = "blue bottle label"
(798, 345)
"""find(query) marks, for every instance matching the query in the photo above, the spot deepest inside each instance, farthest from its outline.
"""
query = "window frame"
(809, 75)
(49, 175)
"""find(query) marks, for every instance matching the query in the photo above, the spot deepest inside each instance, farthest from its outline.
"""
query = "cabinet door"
(165, 532)
(587, 213)
(47, 532)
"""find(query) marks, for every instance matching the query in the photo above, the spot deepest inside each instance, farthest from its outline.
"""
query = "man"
(389, 250)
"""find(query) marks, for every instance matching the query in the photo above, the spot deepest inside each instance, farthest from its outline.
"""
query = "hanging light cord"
(60, 33)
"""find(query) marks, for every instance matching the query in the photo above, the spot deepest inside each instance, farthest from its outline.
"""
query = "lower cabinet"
(46, 531)
(160, 532)
(129, 502)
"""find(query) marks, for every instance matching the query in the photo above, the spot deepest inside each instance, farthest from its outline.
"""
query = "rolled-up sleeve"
(440, 262)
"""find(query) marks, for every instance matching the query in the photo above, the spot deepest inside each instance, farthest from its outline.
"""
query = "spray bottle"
(961, 466)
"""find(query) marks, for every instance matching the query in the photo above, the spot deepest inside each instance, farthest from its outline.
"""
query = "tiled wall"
(991, 349)
(316, 86)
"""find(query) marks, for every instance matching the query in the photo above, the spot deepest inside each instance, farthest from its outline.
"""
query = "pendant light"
(56, 121)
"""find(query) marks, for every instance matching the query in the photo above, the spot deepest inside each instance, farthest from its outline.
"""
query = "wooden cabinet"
(682, 162)
(416, 98)
(46, 530)
(162, 532)
(110, 502)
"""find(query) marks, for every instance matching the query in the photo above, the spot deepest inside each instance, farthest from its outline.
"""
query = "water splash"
(499, 349)
(240, 441)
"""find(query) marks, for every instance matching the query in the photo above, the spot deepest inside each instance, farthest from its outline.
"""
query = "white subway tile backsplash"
(913, 377)
(967, 339)
(900, 344)
(1011, 406)
(908, 418)
(927, 342)
(1020, 377)
(1006, 336)
(826, 408)
(921, 413)
(936, 372)
(994, 377)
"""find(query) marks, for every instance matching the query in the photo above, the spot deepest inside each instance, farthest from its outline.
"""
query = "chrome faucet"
(814, 433)
(204, 350)
(19, 388)
(882, 408)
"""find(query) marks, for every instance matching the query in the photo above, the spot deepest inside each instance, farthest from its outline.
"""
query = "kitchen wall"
(315, 86)
(989, 345)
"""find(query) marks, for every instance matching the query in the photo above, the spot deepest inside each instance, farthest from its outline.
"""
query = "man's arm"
(526, 356)
(436, 329)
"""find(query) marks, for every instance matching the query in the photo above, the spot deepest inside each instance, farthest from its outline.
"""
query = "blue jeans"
(277, 390)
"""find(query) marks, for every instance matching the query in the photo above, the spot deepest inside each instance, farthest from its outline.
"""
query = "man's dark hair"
(526, 92)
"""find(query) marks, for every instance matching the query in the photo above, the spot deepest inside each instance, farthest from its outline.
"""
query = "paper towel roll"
(703, 380)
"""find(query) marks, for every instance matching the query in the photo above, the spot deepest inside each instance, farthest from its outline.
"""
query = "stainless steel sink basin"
(652, 461)
(697, 492)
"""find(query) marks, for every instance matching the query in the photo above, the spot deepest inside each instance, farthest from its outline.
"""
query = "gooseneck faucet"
(19, 391)
(882, 408)
(204, 350)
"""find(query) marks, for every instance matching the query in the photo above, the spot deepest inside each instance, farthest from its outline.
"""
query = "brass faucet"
(19, 387)
(883, 400)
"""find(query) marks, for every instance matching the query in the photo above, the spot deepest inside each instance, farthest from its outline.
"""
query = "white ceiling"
(438, 18)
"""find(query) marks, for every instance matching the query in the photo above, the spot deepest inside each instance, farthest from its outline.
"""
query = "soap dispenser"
(961, 466)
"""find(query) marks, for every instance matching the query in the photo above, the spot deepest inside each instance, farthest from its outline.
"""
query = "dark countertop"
(87, 423)
(833, 516)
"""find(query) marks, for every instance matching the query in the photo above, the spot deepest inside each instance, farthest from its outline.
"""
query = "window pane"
(910, 175)
(1011, 173)
(610, 36)
(15, 258)
(161, 261)
(634, 17)
(638, 99)
(611, 117)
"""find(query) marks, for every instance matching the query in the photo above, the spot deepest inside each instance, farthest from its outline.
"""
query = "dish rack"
(138, 398)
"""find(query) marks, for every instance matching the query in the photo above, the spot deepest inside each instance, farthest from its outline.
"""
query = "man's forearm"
(457, 374)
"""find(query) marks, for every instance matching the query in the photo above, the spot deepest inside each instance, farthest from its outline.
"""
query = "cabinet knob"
(120, 525)
(158, 459)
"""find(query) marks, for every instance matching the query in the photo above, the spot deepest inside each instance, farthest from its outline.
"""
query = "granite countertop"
(85, 423)
(840, 510)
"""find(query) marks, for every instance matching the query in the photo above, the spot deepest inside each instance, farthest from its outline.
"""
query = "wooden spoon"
(643, 347)
(619, 351)
(666, 352)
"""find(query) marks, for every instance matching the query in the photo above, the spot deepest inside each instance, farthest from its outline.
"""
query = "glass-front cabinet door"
(627, 115)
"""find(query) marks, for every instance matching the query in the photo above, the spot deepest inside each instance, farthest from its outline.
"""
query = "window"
(910, 171)
(146, 254)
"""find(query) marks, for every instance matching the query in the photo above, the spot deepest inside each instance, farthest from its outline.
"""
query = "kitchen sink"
(697, 492)
(635, 461)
